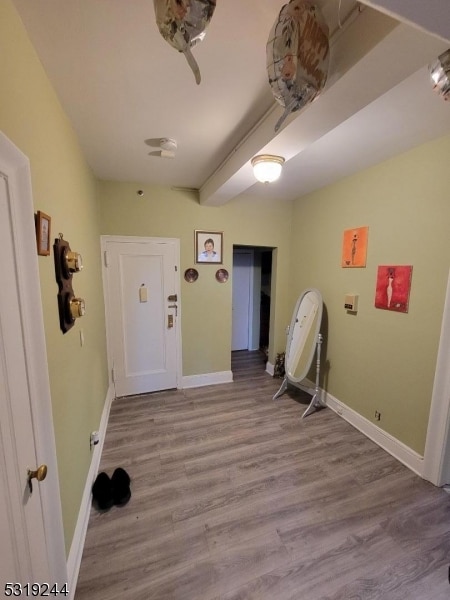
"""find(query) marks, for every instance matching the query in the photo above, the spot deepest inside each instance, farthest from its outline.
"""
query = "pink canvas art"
(393, 285)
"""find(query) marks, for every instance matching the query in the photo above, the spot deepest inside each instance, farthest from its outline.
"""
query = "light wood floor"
(234, 497)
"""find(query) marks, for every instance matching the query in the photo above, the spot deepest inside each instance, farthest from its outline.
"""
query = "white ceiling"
(124, 87)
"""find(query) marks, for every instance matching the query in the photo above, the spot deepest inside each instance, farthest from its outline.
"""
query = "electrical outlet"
(377, 416)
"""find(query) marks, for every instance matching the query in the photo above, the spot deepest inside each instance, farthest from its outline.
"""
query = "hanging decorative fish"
(182, 23)
(297, 56)
(440, 74)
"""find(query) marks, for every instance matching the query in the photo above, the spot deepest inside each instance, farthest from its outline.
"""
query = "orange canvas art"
(354, 247)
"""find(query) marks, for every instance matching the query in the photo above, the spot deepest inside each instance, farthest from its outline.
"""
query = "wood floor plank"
(235, 497)
(416, 576)
(247, 560)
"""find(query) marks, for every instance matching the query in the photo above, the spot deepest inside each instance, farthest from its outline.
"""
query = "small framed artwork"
(393, 287)
(43, 224)
(208, 247)
(354, 247)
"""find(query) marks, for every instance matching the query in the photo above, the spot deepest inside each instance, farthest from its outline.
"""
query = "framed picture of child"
(208, 247)
(43, 223)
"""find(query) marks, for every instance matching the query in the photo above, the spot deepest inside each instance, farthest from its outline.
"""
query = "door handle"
(40, 474)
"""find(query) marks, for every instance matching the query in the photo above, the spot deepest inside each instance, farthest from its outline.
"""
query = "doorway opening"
(251, 300)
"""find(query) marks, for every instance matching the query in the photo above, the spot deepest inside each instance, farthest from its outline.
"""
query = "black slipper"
(120, 487)
(102, 492)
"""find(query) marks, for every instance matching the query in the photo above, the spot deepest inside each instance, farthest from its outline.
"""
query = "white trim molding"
(397, 449)
(270, 368)
(79, 536)
(193, 381)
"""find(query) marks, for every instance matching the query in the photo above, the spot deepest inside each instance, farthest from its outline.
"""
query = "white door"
(143, 313)
(242, 263)
(32, 545)
(437, 447)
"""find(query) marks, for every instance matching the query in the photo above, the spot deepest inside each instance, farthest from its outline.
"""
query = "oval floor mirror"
(304, 340)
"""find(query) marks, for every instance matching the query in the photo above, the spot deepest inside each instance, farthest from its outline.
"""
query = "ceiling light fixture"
(267, 168)
(440, 75)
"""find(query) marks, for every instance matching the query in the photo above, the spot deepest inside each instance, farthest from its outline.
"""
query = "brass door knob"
(40, 474)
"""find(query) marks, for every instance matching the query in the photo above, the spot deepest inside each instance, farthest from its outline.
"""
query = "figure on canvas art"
(393, 287)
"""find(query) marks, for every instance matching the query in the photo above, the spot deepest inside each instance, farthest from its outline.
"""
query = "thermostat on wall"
(351, 302)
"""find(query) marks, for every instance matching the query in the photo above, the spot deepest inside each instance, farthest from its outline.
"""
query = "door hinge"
(105, 258)
(176, 268)
(113, 378)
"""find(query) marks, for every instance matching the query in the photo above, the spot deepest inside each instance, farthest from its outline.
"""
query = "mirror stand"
(304, 340)
(316, 401)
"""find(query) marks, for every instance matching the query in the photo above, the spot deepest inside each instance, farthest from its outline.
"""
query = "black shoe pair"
(108, 491)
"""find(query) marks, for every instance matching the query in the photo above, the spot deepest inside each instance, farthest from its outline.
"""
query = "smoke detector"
(168, 147)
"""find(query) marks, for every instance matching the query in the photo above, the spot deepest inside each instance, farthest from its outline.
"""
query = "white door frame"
(436, 466)
(105, 239)
(16, 165)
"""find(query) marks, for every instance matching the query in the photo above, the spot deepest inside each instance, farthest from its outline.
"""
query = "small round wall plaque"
(191, 275)
(222, 275)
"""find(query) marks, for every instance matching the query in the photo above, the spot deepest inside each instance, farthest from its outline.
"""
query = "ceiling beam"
(432, 16)
(370, 76)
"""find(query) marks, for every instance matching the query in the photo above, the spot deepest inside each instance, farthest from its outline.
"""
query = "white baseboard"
(397, 449)
(270, 368)
(193, 381)
(76, 548)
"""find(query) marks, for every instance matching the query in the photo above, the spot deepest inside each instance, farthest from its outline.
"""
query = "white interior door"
(32, 545)
(437, 446)
(143, 313)
(242, 271)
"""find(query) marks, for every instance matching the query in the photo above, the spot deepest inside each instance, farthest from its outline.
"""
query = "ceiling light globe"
(267, 168)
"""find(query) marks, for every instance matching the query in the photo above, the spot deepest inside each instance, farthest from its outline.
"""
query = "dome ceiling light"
(267, 168)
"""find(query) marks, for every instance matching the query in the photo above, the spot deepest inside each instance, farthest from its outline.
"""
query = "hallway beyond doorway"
(247, 364)
(252, 292)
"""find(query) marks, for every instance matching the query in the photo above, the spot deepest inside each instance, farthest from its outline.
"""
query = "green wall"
(64, 188)
(206, 304)
(378, 359)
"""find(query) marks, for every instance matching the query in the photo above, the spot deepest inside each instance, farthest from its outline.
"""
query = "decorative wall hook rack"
(67, 263)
